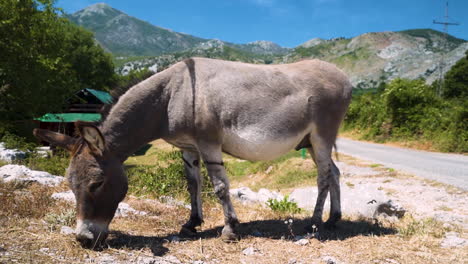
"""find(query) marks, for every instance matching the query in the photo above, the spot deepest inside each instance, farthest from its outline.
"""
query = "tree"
(456, 80)
(44, 59)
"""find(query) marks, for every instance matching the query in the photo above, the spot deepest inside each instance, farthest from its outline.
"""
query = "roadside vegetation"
(410, 110)
(29, 214)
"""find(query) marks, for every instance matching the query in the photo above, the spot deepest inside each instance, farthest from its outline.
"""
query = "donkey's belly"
(259, 145)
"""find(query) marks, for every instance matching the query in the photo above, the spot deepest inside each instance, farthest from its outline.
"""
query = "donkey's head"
(96, 178)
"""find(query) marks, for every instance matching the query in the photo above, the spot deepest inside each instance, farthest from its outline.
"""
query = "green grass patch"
(427, 226)
(165, 178)
(284, 206)
(285, 172)
(56, 164)
(294, 178)
(238, 169)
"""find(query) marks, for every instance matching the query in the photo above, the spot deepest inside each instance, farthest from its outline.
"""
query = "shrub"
(284, 206)
(12, 141)
(55, 164)
(410, 110)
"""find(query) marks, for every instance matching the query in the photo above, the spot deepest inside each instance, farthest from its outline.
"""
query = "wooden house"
(86, 105)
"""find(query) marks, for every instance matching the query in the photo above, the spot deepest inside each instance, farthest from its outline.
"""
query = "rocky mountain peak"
(264, 44)
(312, 42)
(98, 9)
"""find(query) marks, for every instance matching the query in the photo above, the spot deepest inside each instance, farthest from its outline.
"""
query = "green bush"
(12, 141)
(410, 110)
(55, 164)
(456, 80)
(284, 206)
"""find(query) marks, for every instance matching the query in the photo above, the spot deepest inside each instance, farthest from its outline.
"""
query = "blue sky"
(287, 22)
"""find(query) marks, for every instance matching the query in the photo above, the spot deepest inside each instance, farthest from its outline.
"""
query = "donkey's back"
(259, 112)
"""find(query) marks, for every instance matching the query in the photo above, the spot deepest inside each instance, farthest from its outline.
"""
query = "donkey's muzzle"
(91, 234)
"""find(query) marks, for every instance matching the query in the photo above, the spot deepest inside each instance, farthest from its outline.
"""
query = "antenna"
(446, 24)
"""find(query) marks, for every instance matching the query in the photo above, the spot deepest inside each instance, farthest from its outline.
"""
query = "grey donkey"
(206, 107)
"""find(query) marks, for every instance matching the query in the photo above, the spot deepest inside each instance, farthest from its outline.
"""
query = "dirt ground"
(31, 223)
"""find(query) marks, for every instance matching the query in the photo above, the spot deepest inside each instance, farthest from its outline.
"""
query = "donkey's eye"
(94, 185)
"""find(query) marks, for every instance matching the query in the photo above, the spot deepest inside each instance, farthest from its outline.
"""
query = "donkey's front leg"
(194, 185)
(215, 166)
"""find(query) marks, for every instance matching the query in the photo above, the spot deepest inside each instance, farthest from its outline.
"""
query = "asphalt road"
(446, 168)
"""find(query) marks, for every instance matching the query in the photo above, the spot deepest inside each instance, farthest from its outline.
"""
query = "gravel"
(453, 240)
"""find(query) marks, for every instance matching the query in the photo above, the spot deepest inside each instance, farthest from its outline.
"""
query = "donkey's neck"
(139, 116)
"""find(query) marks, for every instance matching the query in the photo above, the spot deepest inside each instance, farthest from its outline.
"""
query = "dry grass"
(26, 237)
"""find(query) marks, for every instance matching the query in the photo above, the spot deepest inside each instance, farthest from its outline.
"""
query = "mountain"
(368, 58)
(262, 47)
(123, 35)
(374, 57)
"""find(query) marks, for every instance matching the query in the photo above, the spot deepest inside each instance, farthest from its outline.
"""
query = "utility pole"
(444, 47)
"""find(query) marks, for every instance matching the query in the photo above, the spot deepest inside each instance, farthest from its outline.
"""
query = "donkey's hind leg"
(194, 185)
(212, 156)
(328, 178)
(335, 196)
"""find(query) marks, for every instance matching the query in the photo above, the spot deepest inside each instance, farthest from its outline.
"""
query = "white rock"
(329, 260)
(453, 240)
(66, 230)
(9, 155)
(246, 195)
(22, 173)
(123, 210)
(153, 68)
(67, 196)
(302, 242)
(173, 202)
(391, 51)
(250, 251)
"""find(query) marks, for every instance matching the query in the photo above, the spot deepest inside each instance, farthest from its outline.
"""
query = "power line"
(446, 24)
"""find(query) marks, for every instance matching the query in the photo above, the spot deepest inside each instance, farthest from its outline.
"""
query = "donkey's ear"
(92, 136)
(55, 139)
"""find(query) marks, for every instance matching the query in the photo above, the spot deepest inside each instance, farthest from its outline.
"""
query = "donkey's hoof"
(228, 235)
(186, 231)
(231, 237)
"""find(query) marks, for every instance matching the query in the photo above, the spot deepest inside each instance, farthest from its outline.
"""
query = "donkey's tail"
(336, 152)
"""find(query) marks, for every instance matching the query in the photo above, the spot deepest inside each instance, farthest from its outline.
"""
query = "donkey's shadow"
(273, 229)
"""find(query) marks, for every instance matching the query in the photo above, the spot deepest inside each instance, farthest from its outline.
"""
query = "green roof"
(104, 97)
(69, 117)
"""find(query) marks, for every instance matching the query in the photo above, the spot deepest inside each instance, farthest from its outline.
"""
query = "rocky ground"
(389, 217)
